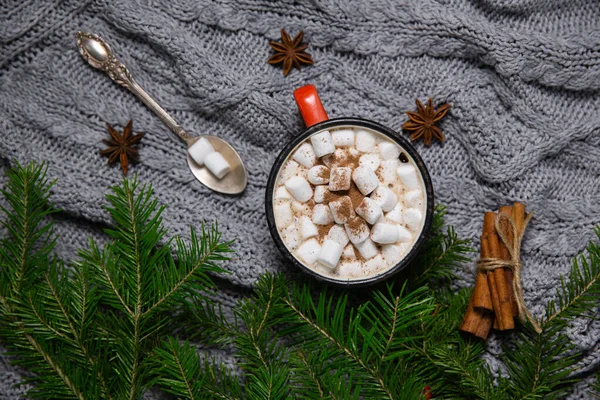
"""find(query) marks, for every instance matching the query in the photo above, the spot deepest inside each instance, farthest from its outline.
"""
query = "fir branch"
(181, 372)
(263, 356)
(357, 340)
(205, 322)
(145, 278)
(193, 264)
(30, 240)
(540, 365)
(53, 304)
(24, 257)
(448, 363)
(64, 328)
(580, 292)
(308, 369)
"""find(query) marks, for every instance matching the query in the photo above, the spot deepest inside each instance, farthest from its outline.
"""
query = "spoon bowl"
(234, 182)
(99, 55)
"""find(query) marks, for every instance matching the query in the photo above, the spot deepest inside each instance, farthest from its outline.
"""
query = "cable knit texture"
(523, 77)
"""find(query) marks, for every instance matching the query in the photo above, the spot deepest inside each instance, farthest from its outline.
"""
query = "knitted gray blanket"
(523, 77)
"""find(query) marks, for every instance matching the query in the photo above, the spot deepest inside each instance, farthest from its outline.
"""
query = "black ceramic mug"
(317, 121)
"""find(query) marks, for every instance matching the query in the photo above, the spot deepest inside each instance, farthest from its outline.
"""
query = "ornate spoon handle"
(99, 55)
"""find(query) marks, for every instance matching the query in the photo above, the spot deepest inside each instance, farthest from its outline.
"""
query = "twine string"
(514, 263)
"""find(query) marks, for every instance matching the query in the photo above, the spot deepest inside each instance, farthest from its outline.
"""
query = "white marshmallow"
(337, 159)
(385, 197)
(289, 170)
(300, 208)
(369, 210)
(365, 179)
(305, 155)
(320, 192)
(340, 178)
(283, 214)
(365, 141)
(395, 214)
(199, 150)
(322, 143)
(348, 252)
(353, 152)
(381, 219)
(393, 253)
(375, 264)
(341, 209)
(217, 164)
(385, 233)
(367, 249)
(318, 175)
(338, 234)
(291, 236)
(389, 150)
(413, 198)
(412, 219)
(307, 228)
(299, 188)
(330, 254)
(282, 194)
(404, 235)
(370, 160)
(343, 137)
(357, 230)
(322, 215)
(309, 251)
(408, 176)
(350, 269)
(388, 170)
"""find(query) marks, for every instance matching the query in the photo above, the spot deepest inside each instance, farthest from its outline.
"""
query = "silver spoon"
(99, 55)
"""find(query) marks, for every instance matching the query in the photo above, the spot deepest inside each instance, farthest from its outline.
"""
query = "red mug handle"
(310, 105)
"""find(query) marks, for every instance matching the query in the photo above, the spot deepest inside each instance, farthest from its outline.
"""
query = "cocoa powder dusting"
(333, 196)
(356, 225)
(342, 158)
(355, 195)
(344, 207)
(323, 173)
(353, 161)
(359, 256)
(323, 231)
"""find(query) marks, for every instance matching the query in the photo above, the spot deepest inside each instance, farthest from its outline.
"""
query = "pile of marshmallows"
(351, 224)
(204, 154)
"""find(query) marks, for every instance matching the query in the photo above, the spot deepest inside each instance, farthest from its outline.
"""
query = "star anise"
(120, 146)
(291, 52)
(422, 122)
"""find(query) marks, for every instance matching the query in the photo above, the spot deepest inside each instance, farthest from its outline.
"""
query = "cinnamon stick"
(518, 214)
(478, 321)
(497, 278)
(482, 298)
(508, 232)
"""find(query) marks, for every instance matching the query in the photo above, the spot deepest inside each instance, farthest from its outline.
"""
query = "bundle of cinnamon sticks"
(493, 302)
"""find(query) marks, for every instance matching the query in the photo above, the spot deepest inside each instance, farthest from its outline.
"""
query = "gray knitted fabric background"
(523, 77)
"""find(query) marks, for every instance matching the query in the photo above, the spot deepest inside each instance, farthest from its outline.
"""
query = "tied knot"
(513, 263)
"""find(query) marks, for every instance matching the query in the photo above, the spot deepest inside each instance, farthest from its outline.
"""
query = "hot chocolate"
(349, 203)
